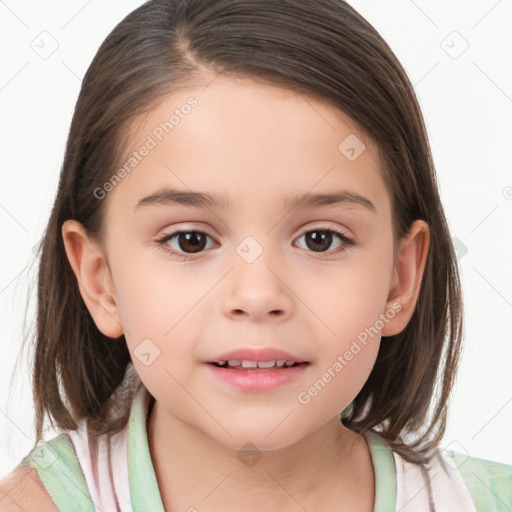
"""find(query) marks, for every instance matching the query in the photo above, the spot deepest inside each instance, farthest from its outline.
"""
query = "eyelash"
(162, 241)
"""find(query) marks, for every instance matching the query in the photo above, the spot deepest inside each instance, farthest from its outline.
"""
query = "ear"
(406, 277)
(93, 276)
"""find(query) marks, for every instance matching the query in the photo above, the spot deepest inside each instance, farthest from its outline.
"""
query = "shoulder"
(36, 484)
(23, 491)
(489, 483)
(47, 463)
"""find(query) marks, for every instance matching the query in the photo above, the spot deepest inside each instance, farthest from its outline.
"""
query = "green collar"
(144, 489)
(384, 471)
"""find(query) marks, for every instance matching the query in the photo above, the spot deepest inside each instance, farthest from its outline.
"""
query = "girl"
(247, 290)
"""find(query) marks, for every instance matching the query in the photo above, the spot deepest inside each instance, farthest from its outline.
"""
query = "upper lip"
(256, 354)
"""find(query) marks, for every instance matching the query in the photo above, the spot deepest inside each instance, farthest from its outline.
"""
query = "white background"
(467, 104)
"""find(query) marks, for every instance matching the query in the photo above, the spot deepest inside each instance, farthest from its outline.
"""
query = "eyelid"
(327, 226)
(184, 228)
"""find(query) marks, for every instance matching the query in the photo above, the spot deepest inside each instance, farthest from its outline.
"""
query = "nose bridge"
(257, 288)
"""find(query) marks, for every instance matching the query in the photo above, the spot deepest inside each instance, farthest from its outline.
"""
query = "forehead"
(247, 141)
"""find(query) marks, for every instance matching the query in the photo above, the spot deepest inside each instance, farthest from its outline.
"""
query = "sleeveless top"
(82, 473)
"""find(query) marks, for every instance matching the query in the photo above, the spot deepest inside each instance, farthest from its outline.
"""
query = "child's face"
(258, 146)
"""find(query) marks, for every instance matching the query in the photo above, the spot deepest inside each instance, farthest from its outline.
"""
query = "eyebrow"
(178, 197)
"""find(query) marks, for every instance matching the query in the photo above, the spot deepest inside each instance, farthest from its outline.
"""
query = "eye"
(320, 239)
(185, 242)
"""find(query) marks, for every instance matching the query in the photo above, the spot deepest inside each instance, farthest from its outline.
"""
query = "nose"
(258, 290)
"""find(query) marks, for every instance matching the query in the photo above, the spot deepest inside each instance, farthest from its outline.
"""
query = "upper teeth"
(260, 364)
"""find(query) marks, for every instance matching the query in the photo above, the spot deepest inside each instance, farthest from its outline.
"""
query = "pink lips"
(258, 379)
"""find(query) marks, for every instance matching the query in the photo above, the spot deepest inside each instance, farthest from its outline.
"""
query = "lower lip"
(258, 380)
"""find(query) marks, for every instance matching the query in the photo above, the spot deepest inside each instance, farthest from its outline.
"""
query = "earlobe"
(407, 277)
(93, 276)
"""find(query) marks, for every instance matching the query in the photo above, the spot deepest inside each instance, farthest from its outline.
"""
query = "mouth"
(247, 365)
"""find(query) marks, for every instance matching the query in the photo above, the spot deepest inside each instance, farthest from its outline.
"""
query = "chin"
(255, 438)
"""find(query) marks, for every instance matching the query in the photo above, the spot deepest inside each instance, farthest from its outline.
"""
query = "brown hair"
(322, 48)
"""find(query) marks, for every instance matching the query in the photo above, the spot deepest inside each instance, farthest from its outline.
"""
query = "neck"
(194, 470)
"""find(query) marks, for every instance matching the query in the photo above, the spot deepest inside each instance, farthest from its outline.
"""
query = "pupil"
(321, 242)
(191, 242)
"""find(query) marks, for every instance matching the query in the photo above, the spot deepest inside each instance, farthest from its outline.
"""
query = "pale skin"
(257, 144)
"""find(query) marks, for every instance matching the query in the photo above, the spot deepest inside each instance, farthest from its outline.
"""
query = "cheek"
(347, 350)
(151, 292)
(158, 314)
(350, 305)
(351, 297)
(155, 301)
